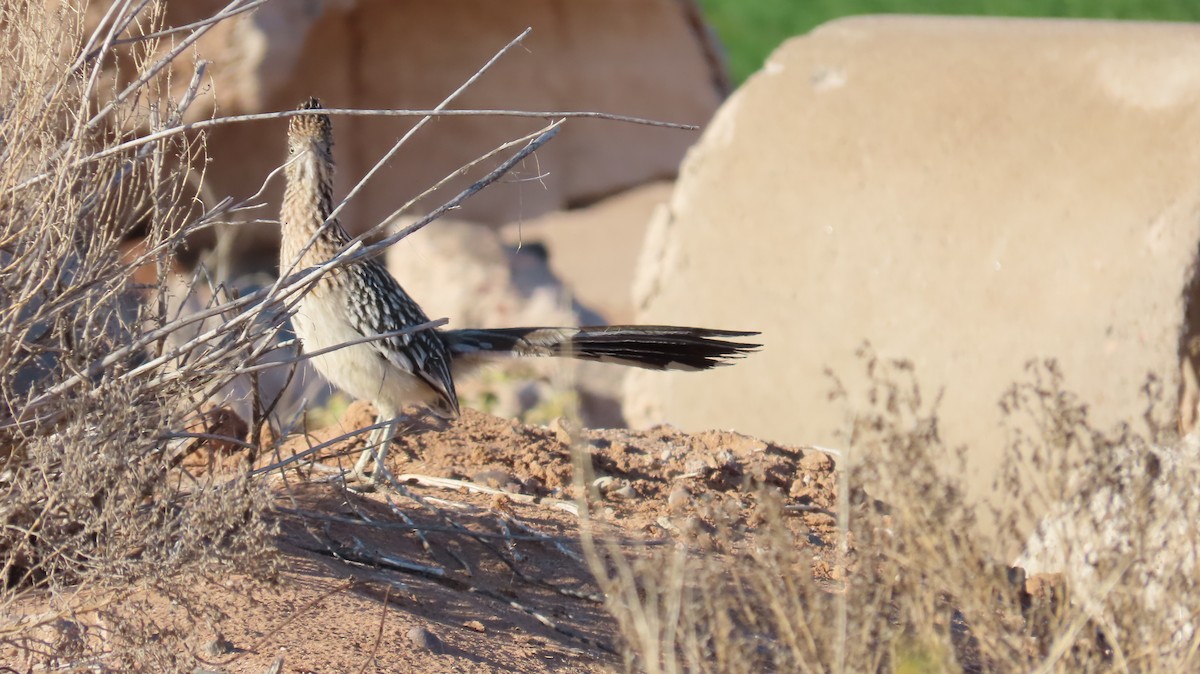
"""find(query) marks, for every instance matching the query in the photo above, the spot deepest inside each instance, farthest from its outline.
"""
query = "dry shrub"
(119, 376)
(91, 509)
(1118, 520)
(918, 587)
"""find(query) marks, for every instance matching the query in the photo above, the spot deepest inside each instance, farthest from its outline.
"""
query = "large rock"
(1133, 517)
(595, 249)
(966, 193)
(649, 58)
(463, 271)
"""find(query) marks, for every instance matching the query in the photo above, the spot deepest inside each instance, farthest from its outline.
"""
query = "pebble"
(219, 646)
(496, 479)
(532, 485)
(565, 430)
(424, 639)
(605, 484)
(677, 499)
(814, 460)
(800, 486)
(624, 492)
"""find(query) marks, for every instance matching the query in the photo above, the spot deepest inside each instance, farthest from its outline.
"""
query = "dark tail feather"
(656, 347)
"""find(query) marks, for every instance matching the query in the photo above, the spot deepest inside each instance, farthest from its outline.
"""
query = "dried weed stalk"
(112, 365)
(919, 588)
(91, 512)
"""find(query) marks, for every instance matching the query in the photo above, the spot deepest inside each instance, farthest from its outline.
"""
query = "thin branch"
(425, 120)
(294, 283)
(436, 528)
(545, 137)
(460, 171)
(153, 70)
(453, 484)
(387, 594)
(216, 18)
(428, 325)
(316, 449)
(277, 629)
(359, 112)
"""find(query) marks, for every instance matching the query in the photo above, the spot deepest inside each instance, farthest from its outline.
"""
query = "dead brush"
(920, 588)
(1117, 518)
(90, 512)
(106, 385)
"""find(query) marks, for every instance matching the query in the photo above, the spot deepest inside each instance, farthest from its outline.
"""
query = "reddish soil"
(493, 577)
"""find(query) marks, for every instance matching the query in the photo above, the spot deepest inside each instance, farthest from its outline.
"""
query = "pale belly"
(358, 370)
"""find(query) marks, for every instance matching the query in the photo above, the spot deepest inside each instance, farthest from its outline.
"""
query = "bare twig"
(292, 284)
(425, 120)
(387, 594)
(450, 483)
(201, 125)
(273, 631)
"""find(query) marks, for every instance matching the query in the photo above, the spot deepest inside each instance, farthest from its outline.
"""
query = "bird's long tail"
(655, 347)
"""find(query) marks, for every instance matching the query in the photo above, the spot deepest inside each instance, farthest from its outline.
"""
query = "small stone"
(800, 486)
(276, 666)
(816, 461)
(219, 646)
(705, 541)
(502, 503)
(474, 625)
(605, 484)
(424, 639)
(496, 479)
(565, 430)
(624, 492)
(69, 638)
(691, 526)
(725, 458)
(678, 499)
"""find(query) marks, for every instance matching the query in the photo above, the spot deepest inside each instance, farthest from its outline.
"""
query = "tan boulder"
(1137, 512)
(967, 193)
(463, 271)
(595, 249)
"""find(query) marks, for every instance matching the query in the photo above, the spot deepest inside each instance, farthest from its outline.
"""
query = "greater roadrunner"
(363, 299)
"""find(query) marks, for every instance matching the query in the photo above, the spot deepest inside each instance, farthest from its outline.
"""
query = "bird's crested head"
(310, 131)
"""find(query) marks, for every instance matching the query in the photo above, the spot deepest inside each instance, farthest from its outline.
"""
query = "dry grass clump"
(1118, 519)
(916, 586)
(112, 366)
(91, 405)
(103, 393)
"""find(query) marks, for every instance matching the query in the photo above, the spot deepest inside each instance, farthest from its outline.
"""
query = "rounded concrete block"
(969, 194)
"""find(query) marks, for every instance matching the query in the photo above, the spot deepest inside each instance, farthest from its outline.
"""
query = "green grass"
(751, 29)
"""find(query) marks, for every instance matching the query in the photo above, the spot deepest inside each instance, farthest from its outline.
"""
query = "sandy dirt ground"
(476, 565)
(472, 561)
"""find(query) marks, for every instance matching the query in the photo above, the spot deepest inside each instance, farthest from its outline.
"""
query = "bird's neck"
(307, 204)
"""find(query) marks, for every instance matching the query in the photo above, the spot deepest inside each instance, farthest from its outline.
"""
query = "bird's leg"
(377, 446)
